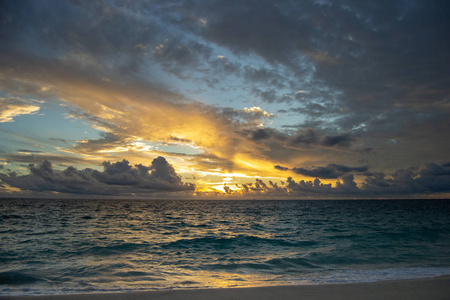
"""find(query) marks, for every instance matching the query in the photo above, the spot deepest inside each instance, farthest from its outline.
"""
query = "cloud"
(176, 139)
(345, 188)
(259, 134)
(259, 188)
(239, 28)
(132, 110)
(315, 187)
(349, 76)
(119, 178)
(310, 137)
(37, 157)
(432, 179)
(107, 140)
(29, 151)
(302, 189)
(14, 107)
(176, 57)
(369, 80)
(434, 170)
(303, 139)
(247, 117)
(344, 140)
(331, 171)
(257, 112)
(348, 183)
(281, 168)
(307, 137)
(265, 77)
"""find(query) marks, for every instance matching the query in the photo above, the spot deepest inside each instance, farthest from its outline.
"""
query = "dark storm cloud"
(434, 170)
(119, 178)
(89, 27)
(265, 76)
(98, 36)
(223, 65)
(357, 74)
(281, 168)
(304, 138)
(317, 189)
(311, 109)
(378, 50)
(348, 183)
(259, 27)
(433, 178)
(309, 137)
(357, 47)
(337, 140)
(279, 146)
(383, 56)
(260, 134)
(329, 172)
(347, 187)
(266, 95)
(259, 188)
(182, 58)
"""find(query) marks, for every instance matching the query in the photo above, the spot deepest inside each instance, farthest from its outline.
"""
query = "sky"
(302, 99)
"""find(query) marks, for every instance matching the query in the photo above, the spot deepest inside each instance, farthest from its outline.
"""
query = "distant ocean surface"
(92, 246)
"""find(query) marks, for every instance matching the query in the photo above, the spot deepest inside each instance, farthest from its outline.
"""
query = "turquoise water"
(87, 246)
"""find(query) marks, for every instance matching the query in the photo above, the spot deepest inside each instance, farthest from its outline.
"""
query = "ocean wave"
(370, 275)
(147, 276)
(18, 278)
(275, 266)
(236, 241)
(171, 244)
(288, 262)
(117, 248)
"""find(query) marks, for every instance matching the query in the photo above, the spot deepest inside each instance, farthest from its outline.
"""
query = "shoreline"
(426, 288)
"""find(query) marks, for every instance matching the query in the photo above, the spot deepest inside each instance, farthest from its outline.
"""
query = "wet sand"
(430, 288)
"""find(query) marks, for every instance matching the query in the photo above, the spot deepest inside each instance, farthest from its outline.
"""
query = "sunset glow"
(314, 99)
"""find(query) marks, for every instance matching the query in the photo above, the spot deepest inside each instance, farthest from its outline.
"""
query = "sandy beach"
(431, 288)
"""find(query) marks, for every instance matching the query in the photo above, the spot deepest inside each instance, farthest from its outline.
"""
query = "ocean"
(93, 246)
